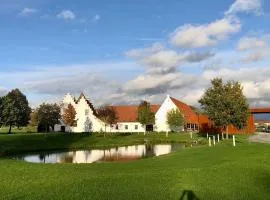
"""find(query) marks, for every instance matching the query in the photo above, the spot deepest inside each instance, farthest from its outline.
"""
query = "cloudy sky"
(124, 51)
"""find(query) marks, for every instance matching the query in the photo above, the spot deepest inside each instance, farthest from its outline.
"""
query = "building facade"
(87, 120)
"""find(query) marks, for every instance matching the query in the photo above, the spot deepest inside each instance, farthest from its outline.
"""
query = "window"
(126, 127)
(136, 127)
(116, 127)
(86, 112)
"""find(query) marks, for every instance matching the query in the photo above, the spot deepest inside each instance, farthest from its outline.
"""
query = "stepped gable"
(88, 102)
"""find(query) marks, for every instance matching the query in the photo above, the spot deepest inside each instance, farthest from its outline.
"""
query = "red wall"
(206, 126)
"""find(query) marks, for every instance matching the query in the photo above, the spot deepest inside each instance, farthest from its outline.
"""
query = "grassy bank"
(221, 172)
(10, 144)
(21, 130)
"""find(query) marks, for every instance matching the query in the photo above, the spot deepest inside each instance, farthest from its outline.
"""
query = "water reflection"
(117, 154)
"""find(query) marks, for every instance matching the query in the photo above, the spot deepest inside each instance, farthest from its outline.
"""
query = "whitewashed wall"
(161, 115)
(131, 127)
(86, 120)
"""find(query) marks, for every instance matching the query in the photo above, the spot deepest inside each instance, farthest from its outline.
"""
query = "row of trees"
(16, 112)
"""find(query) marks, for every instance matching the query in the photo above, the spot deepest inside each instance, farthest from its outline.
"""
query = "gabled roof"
(190, 115)
(129, 113)
(88, 102)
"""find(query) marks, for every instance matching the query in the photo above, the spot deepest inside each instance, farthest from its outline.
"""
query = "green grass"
(22, 130)
(221, 172)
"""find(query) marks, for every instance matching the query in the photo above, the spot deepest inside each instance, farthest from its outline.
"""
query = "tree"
(69, 115)
(47, 116)
(145, 115)
(225, 104)
(15, 109)
(33, 118)
(108, 115)
(175, 119)
(1, 108)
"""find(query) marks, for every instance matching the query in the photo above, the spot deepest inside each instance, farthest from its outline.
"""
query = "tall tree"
(69, 115)
(225, 104)
(48, 115)
(108, 115)
(15, 109)
(175, 119)
(145, 115)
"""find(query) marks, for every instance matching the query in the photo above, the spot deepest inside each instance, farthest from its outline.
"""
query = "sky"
(121, 52)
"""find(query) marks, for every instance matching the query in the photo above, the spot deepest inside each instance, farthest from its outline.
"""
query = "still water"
(118, 154)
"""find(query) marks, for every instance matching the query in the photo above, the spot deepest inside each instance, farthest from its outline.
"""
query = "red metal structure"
(206, 125)
(260, 110)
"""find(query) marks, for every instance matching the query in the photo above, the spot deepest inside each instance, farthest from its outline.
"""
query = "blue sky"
(124, 51)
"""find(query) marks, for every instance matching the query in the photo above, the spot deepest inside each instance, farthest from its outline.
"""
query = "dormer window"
(86, 112)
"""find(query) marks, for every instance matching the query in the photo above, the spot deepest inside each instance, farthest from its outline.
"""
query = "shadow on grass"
(188, 195)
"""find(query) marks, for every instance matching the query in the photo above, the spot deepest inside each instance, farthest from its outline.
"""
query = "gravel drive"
(260, 137)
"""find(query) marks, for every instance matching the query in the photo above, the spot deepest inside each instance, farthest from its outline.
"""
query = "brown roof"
(190, 115)
(129, 113)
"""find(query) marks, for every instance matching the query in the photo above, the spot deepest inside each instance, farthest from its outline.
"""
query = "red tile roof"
(190, 115)
(129, 113)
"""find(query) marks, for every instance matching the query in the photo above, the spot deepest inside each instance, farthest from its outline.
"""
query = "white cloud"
(255, 56)
(28, 11)
(257, 48)
(246, 6)
(96, 18)
(195, 36)
(249, 43)
(67, 15)
(142, 52)
(158, 59)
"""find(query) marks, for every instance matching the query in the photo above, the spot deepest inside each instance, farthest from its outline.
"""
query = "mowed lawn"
(221, 172)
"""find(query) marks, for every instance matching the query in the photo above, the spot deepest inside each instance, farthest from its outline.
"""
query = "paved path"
(260, 137)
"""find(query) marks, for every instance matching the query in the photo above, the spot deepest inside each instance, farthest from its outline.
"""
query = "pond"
(117, 154)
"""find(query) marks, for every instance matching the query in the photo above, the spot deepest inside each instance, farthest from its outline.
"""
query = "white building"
(87, 120)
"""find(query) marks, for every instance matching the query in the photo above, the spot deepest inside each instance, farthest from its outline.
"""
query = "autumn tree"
(47, 116)
(69, 115)
(145, 115)
(175, 119)
(108, 115)
(225, 104)
(15, 110)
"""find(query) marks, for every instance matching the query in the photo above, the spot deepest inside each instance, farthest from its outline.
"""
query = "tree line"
(16, 112)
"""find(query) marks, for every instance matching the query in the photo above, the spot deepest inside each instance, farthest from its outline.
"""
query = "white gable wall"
(86, 120)
(161, 115)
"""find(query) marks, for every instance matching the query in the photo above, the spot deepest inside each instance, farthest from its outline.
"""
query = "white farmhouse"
(86, 116)
(87, 120)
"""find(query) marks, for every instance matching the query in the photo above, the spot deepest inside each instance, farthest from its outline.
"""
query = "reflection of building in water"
(162, 149)
(90, 156)
(125, 153)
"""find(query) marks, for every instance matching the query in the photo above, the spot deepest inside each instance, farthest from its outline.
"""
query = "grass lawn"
(221, 172)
